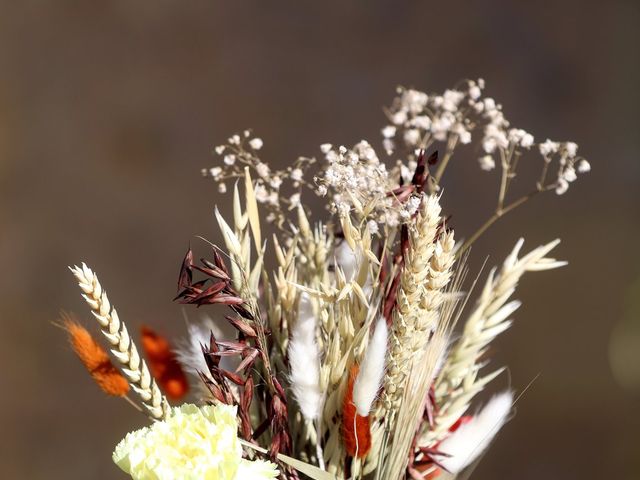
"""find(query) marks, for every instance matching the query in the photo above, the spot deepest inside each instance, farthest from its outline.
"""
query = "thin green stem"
(500, 212)
(128, 399)
(503, 180)
(543, 175)
(513, 161)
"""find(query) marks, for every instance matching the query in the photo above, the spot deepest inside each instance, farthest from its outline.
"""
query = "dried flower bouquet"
(343, 362)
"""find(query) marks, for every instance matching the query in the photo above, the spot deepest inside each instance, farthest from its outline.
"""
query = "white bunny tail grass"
(369, 380)
(190, 355)
(304, 361)
(189, 350)
(466, 444)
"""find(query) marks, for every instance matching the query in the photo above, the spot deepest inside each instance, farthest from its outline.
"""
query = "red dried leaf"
(247, 394)
(186, 276)
(211, 291)
(279, 389)
(215, 390)
(275, 447)
(242, 326)
(219, 261)
(227, 299)
(211, 270)
(433, 158)
(390, 301)
(419, 173)
(191, 292)
(404, 239)
(237, 379)
(243, 312)
(261, 428)
(248, 360)
(401, 194)
(238, 347)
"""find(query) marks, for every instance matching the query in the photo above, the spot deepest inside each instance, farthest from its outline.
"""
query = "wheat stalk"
(427, 270)
(412, 406)
(458, 382)
(423, 367)
(419, 296)
(122, 347)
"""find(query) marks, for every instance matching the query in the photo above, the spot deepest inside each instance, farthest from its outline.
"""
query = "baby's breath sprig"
(358, 183)
(279, 191)
(418, 120)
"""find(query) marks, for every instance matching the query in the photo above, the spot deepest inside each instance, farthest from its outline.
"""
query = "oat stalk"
(459, 380)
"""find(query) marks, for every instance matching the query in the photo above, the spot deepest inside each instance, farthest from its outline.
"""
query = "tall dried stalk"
(458, 382)
(426, 272)
(418, 299)
(246, 276)
(122, 347)
(409, 417)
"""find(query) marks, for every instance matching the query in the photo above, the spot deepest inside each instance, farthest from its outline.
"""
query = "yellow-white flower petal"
(193, 443)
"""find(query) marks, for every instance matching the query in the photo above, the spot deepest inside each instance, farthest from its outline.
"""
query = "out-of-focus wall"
(108, 111)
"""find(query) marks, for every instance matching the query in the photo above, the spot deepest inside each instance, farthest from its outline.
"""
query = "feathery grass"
(95, 358)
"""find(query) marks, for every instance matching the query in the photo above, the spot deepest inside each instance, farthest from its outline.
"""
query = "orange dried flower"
(95, 359)
(164, 365)
(356, 430)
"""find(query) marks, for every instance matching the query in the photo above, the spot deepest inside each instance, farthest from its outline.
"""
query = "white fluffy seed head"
(471, 439)
(304, 361)
(189, 350)
(371, 371)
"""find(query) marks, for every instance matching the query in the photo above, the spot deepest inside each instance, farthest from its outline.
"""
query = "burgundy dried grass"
(250, 345)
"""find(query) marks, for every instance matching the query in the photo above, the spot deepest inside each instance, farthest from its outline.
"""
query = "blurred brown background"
(108, 110)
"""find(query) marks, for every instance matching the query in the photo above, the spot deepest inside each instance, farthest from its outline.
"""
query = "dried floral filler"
(347, 347)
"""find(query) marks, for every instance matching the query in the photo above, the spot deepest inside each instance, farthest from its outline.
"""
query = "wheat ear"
(458, 382)
(425, 347)
(427, 269)
(418, 299)
(122, 347)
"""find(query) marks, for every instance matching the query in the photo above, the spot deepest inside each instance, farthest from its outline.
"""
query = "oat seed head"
(460, 379)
